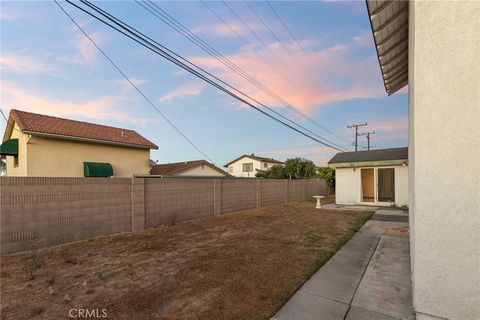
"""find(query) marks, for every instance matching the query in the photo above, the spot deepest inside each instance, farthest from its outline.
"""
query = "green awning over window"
(97, 169)
(9, 148)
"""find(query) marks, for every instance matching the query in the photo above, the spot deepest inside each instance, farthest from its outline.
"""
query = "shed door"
(386, 185)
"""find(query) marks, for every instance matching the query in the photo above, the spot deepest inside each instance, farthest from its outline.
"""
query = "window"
(230, 169)
(265, 165)
(247, 167)
(15, 161)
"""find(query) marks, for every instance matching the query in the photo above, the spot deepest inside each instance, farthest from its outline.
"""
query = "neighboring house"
(377, 177)
(434, 47)
(196, 168)
(247, 166)
(38, 145)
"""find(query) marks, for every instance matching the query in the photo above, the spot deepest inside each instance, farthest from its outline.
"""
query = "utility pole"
(356, 132)
(368, 137)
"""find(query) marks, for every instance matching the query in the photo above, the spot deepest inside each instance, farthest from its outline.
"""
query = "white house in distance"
(196, 168)
(247, 166)
(377, 177)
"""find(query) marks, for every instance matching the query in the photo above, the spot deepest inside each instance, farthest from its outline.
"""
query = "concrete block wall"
(273, 192)
(43, 212)
(238, 194)
(172, 200)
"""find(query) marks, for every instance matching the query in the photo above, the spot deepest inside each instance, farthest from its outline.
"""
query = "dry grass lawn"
(238, 266)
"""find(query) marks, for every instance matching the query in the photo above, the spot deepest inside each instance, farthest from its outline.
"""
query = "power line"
(187, 33)
(128, 79)
(279, 71)
(285, 65)
(303, 115)
(368, 137)
(175, 58)
(282, 44)
(356, 126)
(298, 44)
(306, 55)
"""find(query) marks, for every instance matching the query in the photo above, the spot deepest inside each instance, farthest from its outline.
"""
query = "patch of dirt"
(238, 266)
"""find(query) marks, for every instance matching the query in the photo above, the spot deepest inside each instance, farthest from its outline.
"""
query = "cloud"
(10, 15)
(223, 30)
(193, 89)
(104, 107)
(389, 129)
(364, 40)
(125, 85)
(25, 65)
(318, 154)
(298, 82)
(86, 53)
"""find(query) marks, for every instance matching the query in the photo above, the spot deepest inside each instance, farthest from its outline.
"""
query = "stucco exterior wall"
(348, 185)
(444, 118)
(201, 171)
(64, 158)
(238, 167)
(401, 185)
(21, 169)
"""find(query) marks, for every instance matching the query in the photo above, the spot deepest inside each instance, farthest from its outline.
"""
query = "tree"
(327, 174)
(299, 168)
(295, 168)
(275, 172)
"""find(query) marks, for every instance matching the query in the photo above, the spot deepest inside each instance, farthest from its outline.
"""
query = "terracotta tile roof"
(43, 124)
(372, 155)
(171, 169)
(252, 156)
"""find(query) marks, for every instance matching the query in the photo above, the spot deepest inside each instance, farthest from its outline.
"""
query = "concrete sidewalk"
(368, 278)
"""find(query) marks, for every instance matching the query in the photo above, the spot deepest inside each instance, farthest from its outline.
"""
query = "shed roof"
(170, 169)
(370, 156)
(389, 22)
(34, 123)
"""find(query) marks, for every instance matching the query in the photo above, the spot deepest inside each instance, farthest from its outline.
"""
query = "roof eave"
(255, 158)
(58, 136)
(378, 163)
(386, 70)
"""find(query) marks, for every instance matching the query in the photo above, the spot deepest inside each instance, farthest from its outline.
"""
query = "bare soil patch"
(237, 266)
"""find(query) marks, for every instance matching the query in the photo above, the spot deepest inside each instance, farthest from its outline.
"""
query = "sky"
(326, 67)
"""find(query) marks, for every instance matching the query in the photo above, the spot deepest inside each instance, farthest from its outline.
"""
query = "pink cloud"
(193, 89)
(223, 30)
(25, 65)
(10, 15)
(389, 129)
(105, 107)
(299, 83)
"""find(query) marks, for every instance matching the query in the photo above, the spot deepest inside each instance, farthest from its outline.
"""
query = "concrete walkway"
(368, 278)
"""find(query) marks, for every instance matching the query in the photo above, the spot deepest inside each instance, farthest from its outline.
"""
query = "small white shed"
(378, 177)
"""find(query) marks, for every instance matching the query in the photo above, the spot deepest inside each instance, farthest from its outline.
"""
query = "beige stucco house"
(434, 46)
(375, 177)
(247, 166)
(195, 168)
(38, 145)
